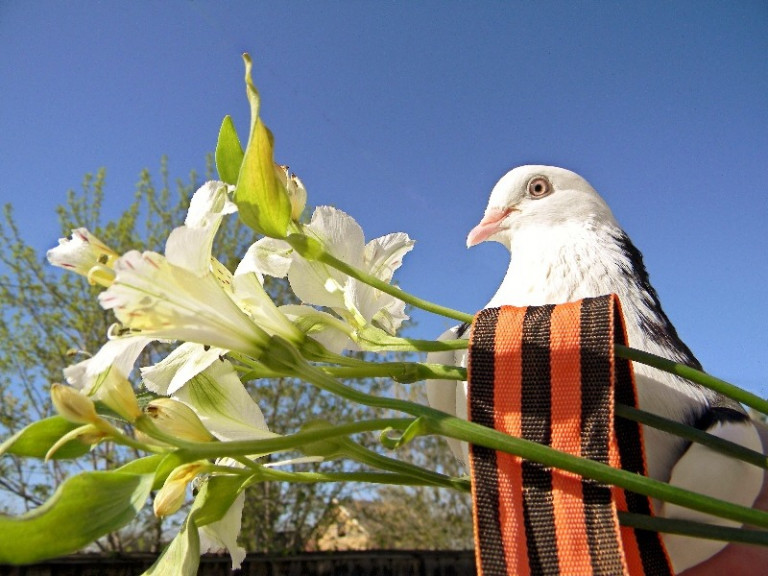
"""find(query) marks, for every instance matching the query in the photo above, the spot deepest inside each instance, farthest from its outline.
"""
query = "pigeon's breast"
(556, 265)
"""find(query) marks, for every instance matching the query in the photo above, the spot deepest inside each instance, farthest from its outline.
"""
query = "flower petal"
(223, 404)
(209, 203)
(179, 367)
(223, 533)
(120, 353)
(384, 255)
(254, 300)
(267, 256)
(332, 332)
(340, 233)
(390, 315)
(190, 246)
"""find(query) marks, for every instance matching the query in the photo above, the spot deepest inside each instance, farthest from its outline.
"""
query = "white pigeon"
(565, 245)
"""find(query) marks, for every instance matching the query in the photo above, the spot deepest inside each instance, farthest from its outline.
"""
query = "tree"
(50, 320)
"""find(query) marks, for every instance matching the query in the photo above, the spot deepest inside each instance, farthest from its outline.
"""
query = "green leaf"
(36, 440)
(216, 497)
(84, 508)
(146, 465)
(182, 556)
(229, 152)
(262, 201)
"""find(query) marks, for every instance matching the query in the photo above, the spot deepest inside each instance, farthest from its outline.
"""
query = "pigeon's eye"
(539, 187)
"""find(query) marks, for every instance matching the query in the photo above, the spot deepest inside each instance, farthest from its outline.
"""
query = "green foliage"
(85, 507)
(229, 152)
(36, 440)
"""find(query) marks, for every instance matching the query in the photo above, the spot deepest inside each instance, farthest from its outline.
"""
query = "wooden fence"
(358, 563)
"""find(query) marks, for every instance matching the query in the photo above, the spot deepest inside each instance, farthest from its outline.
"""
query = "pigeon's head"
(538, 196)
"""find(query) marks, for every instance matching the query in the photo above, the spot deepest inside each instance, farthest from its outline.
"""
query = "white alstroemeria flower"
(86, 255)
(222, 534)
(155, 298)
(321, 285)
(189, 246)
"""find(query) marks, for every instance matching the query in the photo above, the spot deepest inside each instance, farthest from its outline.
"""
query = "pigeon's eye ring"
(538, 187)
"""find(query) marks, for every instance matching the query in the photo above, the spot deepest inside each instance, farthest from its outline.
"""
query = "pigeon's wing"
(450, 395)
(703, 470)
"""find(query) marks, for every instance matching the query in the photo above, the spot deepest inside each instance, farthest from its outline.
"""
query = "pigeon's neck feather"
(550, 265)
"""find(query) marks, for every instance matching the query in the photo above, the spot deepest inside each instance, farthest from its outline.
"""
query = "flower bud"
(117, 393)
(177, 419)
(89, 434)
(73, 404)
(171, 496)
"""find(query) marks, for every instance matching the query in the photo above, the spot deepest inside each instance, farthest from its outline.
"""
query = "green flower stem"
(282, 354)
(191, 451)
(125, 440)
(265, 474)
(311, 249)
(377, 340)
(403, 372)
(426, 477)
(695, 529)
(693, 434)
(229, 470)
(413, 345)
(251, 369)
(725, 388)
(246, 462)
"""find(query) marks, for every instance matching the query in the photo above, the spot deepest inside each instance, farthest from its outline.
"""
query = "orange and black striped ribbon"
(549, 374)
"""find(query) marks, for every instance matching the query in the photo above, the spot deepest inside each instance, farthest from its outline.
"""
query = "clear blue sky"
(405, 114)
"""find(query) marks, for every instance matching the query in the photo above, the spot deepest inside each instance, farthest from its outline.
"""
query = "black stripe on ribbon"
(605, 551)
(536, 423)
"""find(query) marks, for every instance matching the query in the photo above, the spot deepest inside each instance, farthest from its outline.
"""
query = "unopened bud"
(178, 420)
(171, 496)
(73, 404)
(117, 393)
(89, 434)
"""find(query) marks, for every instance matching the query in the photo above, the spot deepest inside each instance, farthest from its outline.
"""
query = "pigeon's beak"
(489, 225)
